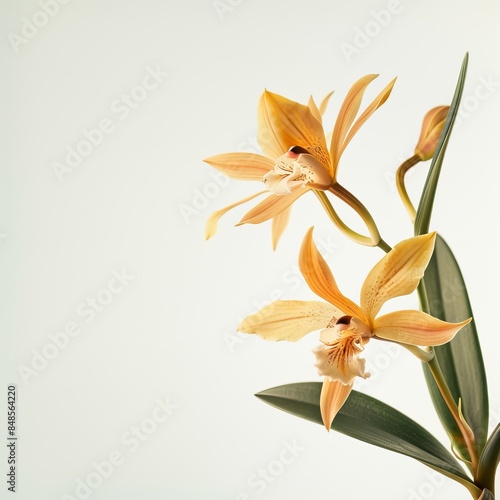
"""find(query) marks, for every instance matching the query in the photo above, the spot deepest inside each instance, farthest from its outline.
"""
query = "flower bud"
(432, 127)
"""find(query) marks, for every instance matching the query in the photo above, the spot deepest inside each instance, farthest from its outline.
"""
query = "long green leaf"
(488, 462)
(423, 217)
(460, 360)
(486, 495)
(368, 419)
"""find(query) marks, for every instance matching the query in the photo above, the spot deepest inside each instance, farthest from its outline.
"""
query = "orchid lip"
(344, 320)
(298, 150)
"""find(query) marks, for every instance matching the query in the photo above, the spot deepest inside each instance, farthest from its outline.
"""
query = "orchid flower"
(347, 327)
(296, 156)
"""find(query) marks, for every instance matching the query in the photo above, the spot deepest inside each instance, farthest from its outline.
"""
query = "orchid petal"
(397, 273)
(415, 328)
(284, 123)
(342, 368)
(288, 319)
(333, 396)
(346, 116)
(271, 207)
(314, 109)
(324, 103)
(318, 112)
(320, 278)
(280, 222)
(211, 224)
(375, 104)
(242, 166)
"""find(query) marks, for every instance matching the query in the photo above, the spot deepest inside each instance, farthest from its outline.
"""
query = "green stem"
(325, 202)
(423, 355)
(400, 184)
(384, 246)
(346, 196)
(423, 298)
(438, 376)
(466, 432)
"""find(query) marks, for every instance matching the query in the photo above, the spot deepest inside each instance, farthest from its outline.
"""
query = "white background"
(135, 203)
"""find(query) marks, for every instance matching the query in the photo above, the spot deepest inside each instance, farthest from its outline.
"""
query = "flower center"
(344, 348)
(342, 342)
(296, 168)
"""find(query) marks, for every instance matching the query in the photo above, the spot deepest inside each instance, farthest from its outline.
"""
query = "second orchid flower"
(347, 327)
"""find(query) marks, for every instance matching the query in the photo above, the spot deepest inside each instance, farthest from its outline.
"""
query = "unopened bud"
(432, 127)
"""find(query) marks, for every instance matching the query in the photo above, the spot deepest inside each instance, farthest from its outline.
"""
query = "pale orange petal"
(333, 396)
(324, 103)
(288, 319)
(242, 166)
(320, 278)
(318, 112)
(415, 328)
(284, 123)
(280, 222)
(314, 109)
(375, 104)
(347, 114)
(397, 273)
(211, 224)
(271, 207)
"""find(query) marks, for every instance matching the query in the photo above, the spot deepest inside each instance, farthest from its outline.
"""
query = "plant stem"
(467, 434)
(346, 196)
(384, 246)
(325, 202)
(438, 376)
(400, 184)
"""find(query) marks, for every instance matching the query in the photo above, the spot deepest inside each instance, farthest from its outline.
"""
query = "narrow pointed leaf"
(460, 359)
(486, 495)
(488, 462)
(424, 211)
(368, 419)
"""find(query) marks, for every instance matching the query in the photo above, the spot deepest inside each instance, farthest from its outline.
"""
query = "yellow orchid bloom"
(296, 156)
(347, 327)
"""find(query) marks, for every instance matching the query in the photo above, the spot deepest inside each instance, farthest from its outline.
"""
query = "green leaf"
(486, 495)
(488, 462)
(460, 360)
(423, 217)
(368, 419)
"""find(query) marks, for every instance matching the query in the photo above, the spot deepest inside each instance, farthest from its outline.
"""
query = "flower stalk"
(465, 430)
(331, 212)
(400, 184)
